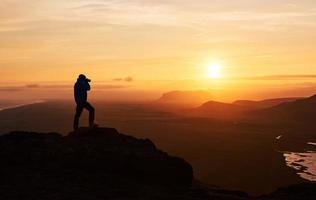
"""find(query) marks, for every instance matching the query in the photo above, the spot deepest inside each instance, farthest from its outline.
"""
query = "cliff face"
(97, 164)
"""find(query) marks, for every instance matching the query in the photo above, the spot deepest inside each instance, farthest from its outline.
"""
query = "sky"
(158, 44)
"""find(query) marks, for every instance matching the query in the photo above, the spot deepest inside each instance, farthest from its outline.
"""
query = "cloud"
(200, 14)
(282, 77)
(63, 33)
(32, 86)
(127, 79)
(93, 86)
(109, 87)
(18, 88)
(57, 87)
(10, 89)
(131, 12)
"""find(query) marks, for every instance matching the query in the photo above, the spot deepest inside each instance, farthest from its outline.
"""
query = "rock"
(306, 191)
(96, 163)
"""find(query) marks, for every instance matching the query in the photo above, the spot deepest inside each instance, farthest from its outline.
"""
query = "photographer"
(80, 93)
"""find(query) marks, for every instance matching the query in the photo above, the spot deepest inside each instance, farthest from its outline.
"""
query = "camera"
(88, 80)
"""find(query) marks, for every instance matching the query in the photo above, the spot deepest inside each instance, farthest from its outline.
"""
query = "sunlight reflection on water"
(304, 163)
(312, 143)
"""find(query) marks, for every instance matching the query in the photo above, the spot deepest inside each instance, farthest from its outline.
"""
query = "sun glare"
(214, 71)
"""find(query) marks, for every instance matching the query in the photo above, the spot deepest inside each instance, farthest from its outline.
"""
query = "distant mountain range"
(301, 111)
(264, 103)
(237, 109)
(200, 104)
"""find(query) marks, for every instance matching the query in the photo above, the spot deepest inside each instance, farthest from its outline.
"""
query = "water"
(303, 163)
(16, 105)
(312, 143)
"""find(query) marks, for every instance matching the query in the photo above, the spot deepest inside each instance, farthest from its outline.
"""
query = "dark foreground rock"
(90, 164)
(303, 191)
(97, 164)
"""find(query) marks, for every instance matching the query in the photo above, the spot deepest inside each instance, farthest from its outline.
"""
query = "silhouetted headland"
(100, 163)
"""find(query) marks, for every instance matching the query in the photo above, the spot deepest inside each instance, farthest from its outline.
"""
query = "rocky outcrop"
(95, 163)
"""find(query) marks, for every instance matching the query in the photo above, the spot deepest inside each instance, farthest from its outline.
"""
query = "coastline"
(20, 105)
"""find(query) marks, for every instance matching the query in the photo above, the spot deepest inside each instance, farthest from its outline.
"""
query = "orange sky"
(163, 45)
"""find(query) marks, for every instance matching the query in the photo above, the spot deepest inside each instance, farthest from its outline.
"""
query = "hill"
(188, 98)
(239, 109)
(300, 112)
(264, 103)
(217, 110)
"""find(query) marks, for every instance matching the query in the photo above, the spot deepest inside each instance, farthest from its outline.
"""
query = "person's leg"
(79, 110)
(91, 110)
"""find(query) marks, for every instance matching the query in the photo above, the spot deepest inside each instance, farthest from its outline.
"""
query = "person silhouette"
(81, 88)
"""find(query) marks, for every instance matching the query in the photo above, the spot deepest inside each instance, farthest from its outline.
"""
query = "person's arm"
(88, 86)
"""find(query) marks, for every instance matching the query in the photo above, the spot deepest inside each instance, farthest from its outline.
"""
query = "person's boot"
(75, 125)
(93, 125)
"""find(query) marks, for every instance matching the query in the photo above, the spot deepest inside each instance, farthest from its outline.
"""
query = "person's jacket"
(80, 91)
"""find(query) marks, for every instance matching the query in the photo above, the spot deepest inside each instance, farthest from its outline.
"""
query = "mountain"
(264, 103)
(101, 163)
(216, 109)
(189, 98)
(301, 111)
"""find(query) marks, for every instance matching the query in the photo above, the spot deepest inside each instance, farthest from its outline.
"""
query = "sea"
(5, 105)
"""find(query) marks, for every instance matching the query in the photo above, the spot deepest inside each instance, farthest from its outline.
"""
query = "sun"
(214, 71)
